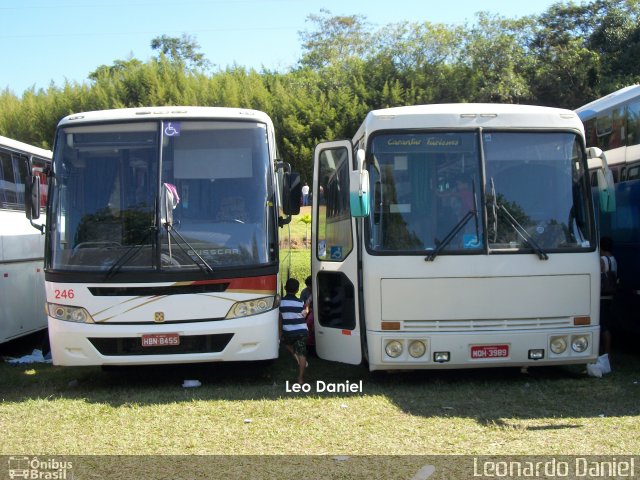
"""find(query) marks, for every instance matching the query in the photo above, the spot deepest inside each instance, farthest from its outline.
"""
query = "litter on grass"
(35, 357)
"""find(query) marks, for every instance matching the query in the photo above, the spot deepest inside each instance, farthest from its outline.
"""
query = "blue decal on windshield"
(172, 129)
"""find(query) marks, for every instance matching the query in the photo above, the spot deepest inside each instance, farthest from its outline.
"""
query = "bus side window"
(7, 184)
(603, 130)
(633, 124)
(590, 132)
(38, 169)
(13, 174)
(22, 169)
(617, 138)
(616, 174)
(633, 172)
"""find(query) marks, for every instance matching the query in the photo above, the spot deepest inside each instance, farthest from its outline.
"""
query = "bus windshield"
(429, 194)
(115, 182)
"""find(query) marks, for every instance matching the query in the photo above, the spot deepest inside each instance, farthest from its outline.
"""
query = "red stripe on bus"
(265, 282)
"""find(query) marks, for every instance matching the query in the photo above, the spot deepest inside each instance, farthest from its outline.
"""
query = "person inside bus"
(293, 326)
(309, 318)
(608, 274)
(306, 291)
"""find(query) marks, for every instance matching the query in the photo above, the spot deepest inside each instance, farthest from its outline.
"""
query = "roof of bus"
(469, 115)
(619, 96)
(24, 147)
(177, 112)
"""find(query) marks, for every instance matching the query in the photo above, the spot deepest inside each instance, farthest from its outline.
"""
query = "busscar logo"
(158, 317)
(40, 469)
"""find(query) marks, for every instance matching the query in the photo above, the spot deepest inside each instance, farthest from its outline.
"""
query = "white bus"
(22, 296)
(455, 236)
(162, 236)
(612, 123)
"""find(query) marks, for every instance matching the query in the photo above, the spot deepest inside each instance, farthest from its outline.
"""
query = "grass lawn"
(301, 255)
(248, 410)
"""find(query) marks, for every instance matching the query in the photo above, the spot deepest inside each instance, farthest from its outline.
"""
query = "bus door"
(334, 263)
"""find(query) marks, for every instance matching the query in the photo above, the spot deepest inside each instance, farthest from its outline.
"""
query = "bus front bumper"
(242, 339)
(482, 349)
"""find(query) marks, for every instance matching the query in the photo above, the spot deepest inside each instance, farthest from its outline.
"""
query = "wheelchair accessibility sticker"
(336, 253)
(470, 241)
(172, 129)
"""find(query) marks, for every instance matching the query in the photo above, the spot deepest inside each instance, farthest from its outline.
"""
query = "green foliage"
(183, 50)
(565, 57)
(335, 41)
(300, 264)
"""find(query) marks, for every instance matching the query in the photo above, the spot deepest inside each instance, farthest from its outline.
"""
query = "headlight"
(393, 348)
(69, 314)
(579, 343)
(417, 349)
(558, 345)
(250, 307)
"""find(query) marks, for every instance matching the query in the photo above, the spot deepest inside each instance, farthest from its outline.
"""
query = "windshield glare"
(108, 183)
(540, 180)
(423, 186)
(428, 194)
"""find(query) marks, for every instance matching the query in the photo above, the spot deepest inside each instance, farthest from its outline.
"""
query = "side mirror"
(359, 188)
(32, 197)
(32, 201)
(606, 186)
(291, 190)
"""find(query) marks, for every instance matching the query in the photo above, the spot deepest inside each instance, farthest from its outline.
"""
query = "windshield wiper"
(522, 232)
(169, 201)
(130, 253)
(204, 266)
(456, 229)
(519, 229)
(451, 235)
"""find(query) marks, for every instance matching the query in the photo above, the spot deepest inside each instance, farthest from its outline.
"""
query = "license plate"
(160, 340)
(489, 351)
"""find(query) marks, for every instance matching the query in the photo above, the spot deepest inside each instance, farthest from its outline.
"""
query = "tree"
(183, 50)
(585, 51)
(497, 58)
(335, 41)
(616, 39)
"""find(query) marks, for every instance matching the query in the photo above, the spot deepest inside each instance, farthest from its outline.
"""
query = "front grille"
(115, 347)
(153, 291)
(485, 324)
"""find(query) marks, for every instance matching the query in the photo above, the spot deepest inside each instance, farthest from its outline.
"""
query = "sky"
(56, 40)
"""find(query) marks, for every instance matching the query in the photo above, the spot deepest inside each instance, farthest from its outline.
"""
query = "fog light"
(536, 354)
(417, 349)
(579, 343)
(441, 357)
(558, 345)
(393, 348)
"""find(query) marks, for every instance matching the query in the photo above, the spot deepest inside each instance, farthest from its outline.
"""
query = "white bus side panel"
(22, 293)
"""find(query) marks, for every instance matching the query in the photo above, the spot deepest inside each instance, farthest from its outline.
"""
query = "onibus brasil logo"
(40, 469)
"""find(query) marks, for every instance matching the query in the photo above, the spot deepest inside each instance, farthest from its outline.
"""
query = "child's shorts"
(298, 342)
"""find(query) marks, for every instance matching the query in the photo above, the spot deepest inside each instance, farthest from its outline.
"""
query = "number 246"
(65, 294)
